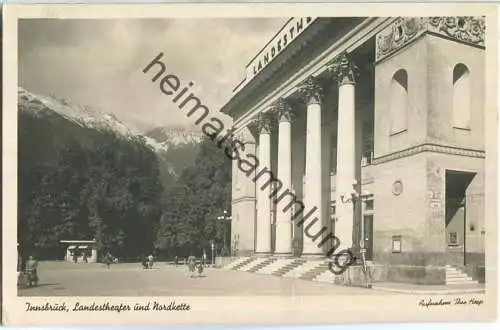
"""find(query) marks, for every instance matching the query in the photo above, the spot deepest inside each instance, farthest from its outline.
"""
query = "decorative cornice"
(311, 90)
(464, 28)
(264, 122)
(344, 70)
(429, 148)
(282, 109)
(467, 29)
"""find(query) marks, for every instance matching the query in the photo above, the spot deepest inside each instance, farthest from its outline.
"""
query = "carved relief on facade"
(466, 29)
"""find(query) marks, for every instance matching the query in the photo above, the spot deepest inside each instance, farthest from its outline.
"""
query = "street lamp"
(362, 242)
(212, 245)
(225, 218)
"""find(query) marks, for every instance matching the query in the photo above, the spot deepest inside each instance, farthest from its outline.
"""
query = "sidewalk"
(429, 289)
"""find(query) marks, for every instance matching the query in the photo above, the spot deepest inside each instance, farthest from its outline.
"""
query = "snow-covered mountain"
(175, 147)
(159, 139)
(174, 136)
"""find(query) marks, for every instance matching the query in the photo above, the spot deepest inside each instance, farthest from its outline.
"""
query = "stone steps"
(235, 262)
(303, 268)
(315, 272)
(261, 265)
(256, 261)
(243, 263)
(276, 266)
(288, 267)
(456, 276)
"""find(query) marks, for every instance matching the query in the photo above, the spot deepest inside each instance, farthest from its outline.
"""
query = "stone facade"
(387, 126)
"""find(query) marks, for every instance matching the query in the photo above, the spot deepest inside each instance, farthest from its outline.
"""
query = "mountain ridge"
(167, 142)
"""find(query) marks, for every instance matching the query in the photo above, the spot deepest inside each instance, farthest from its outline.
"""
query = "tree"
(94, 184)
(191, 207)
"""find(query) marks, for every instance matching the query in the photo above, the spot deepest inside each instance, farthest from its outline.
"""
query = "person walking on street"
(191, 264)
(204, 258)
(144, 261)
(108, 259)
(151, 260)
(32, 271)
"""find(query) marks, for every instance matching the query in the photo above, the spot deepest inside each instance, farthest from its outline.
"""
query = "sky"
(99, 63)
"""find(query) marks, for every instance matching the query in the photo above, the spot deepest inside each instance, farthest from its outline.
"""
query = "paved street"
(67, 279)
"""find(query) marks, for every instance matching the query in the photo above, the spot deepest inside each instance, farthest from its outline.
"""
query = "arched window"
(461, 97)
(399, 101)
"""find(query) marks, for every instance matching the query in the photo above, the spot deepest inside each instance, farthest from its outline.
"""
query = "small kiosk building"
(77, 251)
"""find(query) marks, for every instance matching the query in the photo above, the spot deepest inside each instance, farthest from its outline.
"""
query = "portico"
(323, 123)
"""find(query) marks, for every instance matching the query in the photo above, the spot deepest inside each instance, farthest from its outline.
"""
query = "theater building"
(379, 124)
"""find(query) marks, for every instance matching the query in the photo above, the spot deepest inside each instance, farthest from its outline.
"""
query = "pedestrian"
(144, 262)
(32, 271)
(19, 263)
(191, 261)
(85, 256)
(108, 259)
(151, 260)
(200, 265)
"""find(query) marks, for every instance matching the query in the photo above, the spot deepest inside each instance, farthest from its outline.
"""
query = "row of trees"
(192, 205)
(110, 188)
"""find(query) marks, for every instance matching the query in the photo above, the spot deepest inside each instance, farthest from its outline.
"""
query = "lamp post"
(212, 245)
(362, 242)
(224, 218)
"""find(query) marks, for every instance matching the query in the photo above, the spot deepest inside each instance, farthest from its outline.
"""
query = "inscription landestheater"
(294, 27)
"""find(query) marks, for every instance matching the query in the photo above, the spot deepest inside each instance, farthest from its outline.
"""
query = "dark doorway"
(456, 216)
(368, 231)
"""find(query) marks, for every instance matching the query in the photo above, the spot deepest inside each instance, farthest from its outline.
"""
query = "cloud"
(99, 62)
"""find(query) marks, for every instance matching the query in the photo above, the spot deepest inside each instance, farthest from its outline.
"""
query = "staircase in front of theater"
(315, 272)
(279, 267)
(260, 265)
(255, 262)
(288, 267)
(456, 276)
(240, 262)
(302, 269)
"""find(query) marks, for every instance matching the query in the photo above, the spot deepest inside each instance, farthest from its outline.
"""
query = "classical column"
(283, 218)
(263, 241)
(344, 71)
(311, 91)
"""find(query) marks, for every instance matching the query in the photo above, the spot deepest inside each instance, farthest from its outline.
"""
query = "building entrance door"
(457, 184)
(455, 232)
(368, 233)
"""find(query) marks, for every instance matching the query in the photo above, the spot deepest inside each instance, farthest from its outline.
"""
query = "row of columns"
(312, 94)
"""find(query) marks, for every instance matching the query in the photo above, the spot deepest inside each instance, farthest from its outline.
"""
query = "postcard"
(249, 163)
